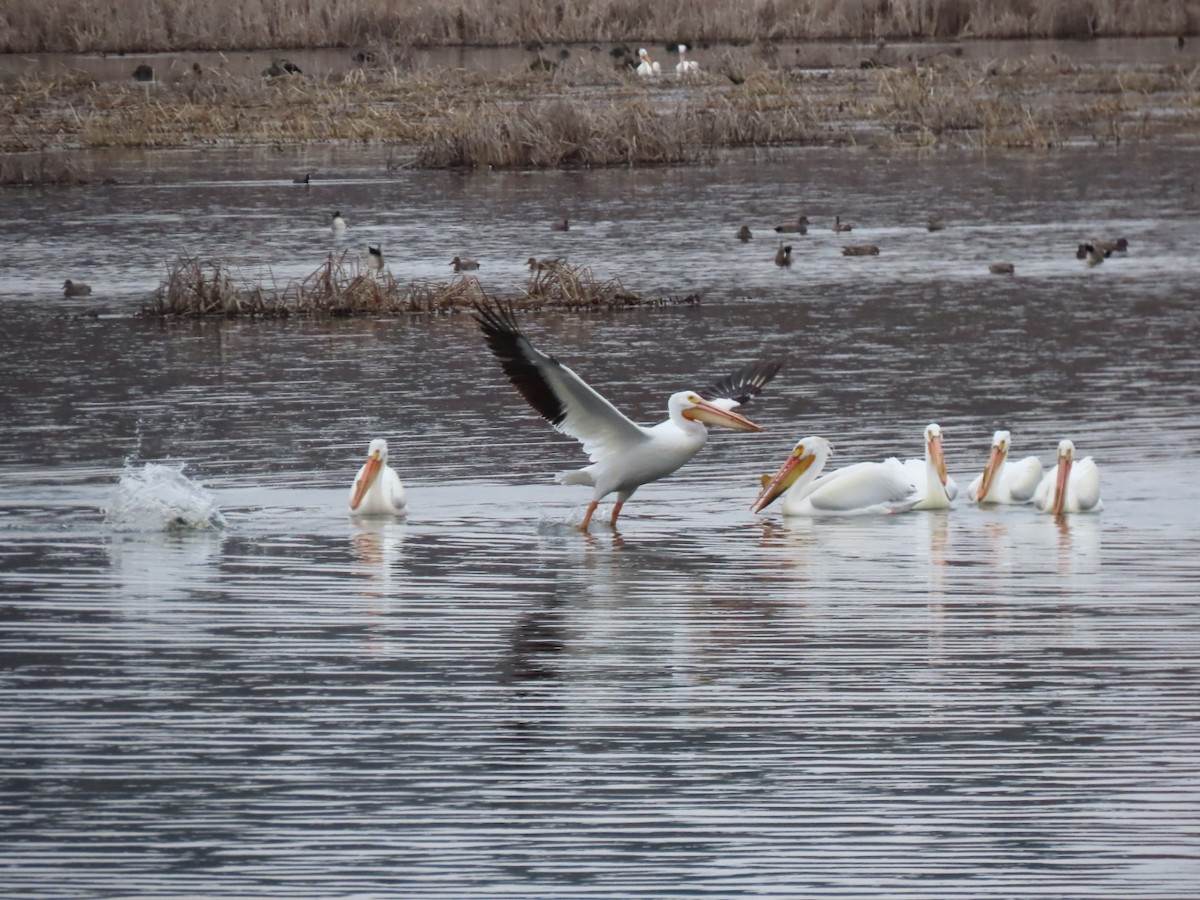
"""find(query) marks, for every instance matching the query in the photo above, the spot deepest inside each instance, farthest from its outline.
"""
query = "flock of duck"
(624, 455)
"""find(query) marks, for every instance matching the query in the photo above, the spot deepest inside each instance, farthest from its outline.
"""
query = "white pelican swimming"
(859, 489)
(929, 475)
(624, 455)
(377, 490)
(686, 66)
(1003, 481)
(1070, 487)
(337, 223)
(647, 68)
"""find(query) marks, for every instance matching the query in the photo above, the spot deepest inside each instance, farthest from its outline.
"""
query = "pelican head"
(807, 459)
(1066, 456)
(694, 408)
(377, 455)
(995, 463)
(933, 449)
(682, 49)
(642, 54)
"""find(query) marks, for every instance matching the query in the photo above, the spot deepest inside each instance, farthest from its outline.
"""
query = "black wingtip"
(509, 345)
(746, 382)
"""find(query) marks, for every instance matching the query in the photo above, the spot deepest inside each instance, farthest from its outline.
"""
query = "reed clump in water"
(339, 287)
(161, 25)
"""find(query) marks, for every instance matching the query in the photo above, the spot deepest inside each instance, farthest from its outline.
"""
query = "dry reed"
(28, 26)
(339, 287)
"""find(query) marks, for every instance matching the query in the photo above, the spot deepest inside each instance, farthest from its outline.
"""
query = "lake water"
(480, 700)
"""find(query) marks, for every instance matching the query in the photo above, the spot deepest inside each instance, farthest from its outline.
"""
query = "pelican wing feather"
(556, 393)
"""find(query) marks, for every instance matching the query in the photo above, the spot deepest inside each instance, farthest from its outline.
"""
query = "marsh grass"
(591, 111)
(159, 25)
(341, 287)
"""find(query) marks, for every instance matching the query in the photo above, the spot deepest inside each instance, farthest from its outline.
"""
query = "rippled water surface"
(481, 700)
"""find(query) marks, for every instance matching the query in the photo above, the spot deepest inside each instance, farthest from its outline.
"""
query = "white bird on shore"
(377, 489)
(686, 66)
(929, 475)
(647, 68)
(860, 489)
(624, 455)
(1070, 487)
(1003, 481)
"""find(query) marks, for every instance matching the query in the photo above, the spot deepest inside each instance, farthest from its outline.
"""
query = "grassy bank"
(587, 112)
(28, 26)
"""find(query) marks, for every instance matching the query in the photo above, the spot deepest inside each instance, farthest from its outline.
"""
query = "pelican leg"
(616, 512)
(587, 516)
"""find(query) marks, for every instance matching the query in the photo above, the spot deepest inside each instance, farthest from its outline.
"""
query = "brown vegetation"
(592, 111)
(195, 288)
(157, 25)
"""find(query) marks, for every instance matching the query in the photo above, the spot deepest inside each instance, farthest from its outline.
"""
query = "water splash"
(161, 498)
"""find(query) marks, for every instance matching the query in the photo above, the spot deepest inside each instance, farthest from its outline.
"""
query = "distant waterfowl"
(839, 227)
(143, 73)
(1001, 268)
(1070, 487)
(336, 222)
(624, 455)
(928, 475)
(860, 250)
(377, 489)
(76, 288)
(462, 265)
(1108, 248)
(1003, 481)
(1091, 253)
(647, 68)
(375, 258)
(743, 233)
(686, 66)
(800, 226)
(280, 67)
(935, 223)
(538, 265)
(860, 489)
(560, 225)
(304, 179)
(783, 256)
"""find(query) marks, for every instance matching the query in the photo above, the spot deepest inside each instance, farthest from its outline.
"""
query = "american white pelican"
(686, 66)
(1070, 487)
(624, 455)
(337, 223)
(929, 475)
(859, 489)
(377, 490)
(1003, 481)
(647, 68)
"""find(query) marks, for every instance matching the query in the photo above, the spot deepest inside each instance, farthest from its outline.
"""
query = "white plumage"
(686, 66)
(1070, 487)
(859, 489)
(647, 68)
(929, 475)
(624, 455)
(1002, 481)
(377, 489)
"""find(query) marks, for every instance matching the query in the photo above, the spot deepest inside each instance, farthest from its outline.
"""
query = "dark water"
(482, 701)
